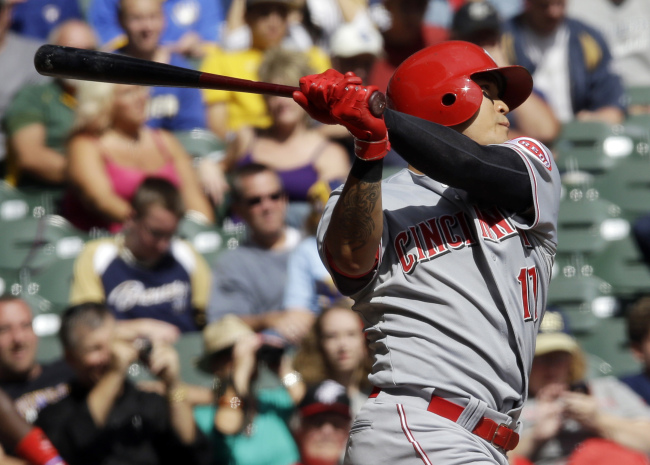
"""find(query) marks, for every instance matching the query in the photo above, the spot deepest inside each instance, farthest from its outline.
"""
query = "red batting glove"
(334, 98)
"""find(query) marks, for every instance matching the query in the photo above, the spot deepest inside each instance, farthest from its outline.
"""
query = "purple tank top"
(296, 181)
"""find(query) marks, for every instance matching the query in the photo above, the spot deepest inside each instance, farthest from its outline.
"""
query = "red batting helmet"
(436, 83)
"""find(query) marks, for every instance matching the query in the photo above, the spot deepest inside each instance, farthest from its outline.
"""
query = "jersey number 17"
(528, 281)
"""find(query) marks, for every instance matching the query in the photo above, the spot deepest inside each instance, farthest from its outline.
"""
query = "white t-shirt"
(551, 56)
(626, 28)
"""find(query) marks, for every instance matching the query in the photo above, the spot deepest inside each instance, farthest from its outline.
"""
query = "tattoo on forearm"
(356, 219)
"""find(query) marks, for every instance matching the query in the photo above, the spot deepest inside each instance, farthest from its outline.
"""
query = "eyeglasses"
(252, 201)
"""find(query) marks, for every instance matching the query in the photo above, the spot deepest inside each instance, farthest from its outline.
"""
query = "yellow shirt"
(244, 108)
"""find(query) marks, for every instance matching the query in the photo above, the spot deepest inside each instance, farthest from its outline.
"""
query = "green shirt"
(46, 104)
(270, 441)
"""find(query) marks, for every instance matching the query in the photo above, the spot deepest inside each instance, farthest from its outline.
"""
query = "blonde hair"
(94, 107)
(282, 66)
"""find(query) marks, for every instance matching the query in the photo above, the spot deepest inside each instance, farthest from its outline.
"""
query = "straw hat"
(220, 335)
(554, 336)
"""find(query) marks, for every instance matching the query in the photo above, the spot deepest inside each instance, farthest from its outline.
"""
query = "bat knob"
(377, 104)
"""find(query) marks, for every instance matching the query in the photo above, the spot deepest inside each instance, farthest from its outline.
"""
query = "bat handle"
(377, 104)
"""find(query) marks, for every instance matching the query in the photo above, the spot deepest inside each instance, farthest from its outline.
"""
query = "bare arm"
(193, 196)
(333, 163)
(236, 13)
(34, 157)
(350, 8)
(356, 226)
(611, 115)
(231, 414)
(87, 172)
(632, 433)
(164, 363)
(102, 396)
(218, 119)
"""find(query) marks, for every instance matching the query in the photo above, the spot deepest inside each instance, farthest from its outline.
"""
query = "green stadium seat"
(20, 241)
(608, 342)
(201, 143)
(36, 243)
(621, 265)
(586, 222)
(13, 205)
(208, 239)
(583, 297)
(597, 147)
(628, 186)
(49, 349)
(190, 348)
(638, 95)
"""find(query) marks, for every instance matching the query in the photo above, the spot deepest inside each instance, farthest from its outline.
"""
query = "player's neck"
(411, 168)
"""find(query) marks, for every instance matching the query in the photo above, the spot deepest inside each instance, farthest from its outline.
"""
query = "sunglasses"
(252, 201)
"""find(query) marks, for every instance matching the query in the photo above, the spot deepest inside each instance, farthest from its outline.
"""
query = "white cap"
(353, 38)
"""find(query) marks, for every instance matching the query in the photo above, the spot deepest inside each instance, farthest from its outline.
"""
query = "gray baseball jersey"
(459, 291)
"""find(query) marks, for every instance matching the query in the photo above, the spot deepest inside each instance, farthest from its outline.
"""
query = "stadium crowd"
(279, 363)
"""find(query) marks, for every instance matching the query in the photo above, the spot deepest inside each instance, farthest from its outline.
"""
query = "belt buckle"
(504, 439)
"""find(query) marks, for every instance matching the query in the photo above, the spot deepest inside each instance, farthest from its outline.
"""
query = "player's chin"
(501, 134)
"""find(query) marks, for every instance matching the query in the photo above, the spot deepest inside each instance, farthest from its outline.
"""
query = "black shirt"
(32, 396)
(137, 431)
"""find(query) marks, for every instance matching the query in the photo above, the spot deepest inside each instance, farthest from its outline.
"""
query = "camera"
(272, 349)
(144, 346)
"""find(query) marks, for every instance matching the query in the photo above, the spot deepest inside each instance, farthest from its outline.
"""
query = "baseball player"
(448, 261)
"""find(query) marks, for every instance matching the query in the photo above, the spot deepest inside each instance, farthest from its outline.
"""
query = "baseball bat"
(92, 65)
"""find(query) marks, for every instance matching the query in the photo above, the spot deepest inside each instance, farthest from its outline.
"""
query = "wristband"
(371, 150)
(37, 449)
(367, 171)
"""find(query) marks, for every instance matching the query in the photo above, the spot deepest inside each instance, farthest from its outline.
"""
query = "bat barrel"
(91, 65)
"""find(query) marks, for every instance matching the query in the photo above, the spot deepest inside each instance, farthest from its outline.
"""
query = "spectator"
(229, 111)
(16, 66)
(564, 411)
(30, 384)
(309, 286)
(40, 118)
(625, 25)
(336, 349)
(311, 23)
(638, 334)
(478, 22)
(297, 152)
(38, 18)
(105, 419)
(249, 281)
(191, 26)
(112, 151)
(155, 284)
(405, 34)
(247, 425)
(355, 46)
(324, 424)
(170, 108)
(570, 62)
(24, 440)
